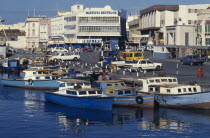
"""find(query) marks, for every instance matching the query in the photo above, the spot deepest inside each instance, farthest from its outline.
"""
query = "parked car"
(113, 60)
(192, 60)
(143, 64)
(58, 49)
(65, 56)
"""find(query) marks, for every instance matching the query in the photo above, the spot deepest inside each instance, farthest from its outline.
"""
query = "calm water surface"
(25, 113)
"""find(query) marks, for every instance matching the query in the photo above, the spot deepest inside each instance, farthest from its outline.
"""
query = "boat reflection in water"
(180, 118)
(19, 94)
(23, 107)
(79, 113)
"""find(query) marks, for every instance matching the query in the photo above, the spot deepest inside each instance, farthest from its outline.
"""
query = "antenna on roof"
(34, 12)
(28, 13)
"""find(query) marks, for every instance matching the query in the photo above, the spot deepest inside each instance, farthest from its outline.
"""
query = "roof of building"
(160, 8)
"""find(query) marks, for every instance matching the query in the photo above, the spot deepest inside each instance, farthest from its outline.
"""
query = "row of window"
(98, 19)
(162, 80)
(70, 19)
(70, 27)
(184, 90)
(74, 84)
(192, 10)
(124, 92)
(115, 84)
(99, 29)
(83, 92)
(37, 78)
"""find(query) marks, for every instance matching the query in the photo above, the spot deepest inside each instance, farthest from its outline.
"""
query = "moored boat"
(183, 96)
(125, 96)
(81, 98)
(169, 93)
(33, 79)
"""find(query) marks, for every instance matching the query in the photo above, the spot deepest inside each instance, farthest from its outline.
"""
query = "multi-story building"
(91, 26)
(57, 29)
(13, 35)
(202, 28)
(134, 33)
(156, 18)
(37, 31)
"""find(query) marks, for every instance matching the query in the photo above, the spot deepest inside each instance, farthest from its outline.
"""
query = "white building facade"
(14, 35)
(88, 25)
(202, 28)
(156, 18)
(37, 31)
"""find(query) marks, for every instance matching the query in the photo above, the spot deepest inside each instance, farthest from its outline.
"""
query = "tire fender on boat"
(139, 100)
(30, 81)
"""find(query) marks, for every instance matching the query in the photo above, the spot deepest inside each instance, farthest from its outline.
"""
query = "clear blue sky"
(14, 11)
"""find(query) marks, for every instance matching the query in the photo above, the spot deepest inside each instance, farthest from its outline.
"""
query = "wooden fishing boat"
(81, 98)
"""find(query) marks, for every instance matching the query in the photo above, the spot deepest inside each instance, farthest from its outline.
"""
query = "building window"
(168, 90)
(196, 10)
(12, 39)
(175, 21)
(33, 33)
(186, 38)
(189, 10)
(162, 22)
(189, 22)
(207, 41)
(207, 28)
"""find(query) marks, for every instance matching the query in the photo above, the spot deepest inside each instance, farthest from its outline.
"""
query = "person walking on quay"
(33, 49)
(124, 56)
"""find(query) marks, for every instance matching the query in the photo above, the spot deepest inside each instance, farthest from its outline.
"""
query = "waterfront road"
(184, 73)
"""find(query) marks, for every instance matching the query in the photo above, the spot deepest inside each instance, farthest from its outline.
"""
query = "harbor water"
(25, 113)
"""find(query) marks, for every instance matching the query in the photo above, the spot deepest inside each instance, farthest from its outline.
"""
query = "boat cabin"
(37, 74)
(104, 84)
(81, 92)
(156, 81)
(176, 89)
(120, 91)
(73, 83)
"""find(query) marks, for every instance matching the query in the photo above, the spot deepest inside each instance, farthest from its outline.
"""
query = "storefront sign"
(91, 41)
(101, 12)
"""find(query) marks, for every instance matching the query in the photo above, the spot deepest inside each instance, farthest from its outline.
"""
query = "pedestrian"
(124, 56)
(32, 49)
(100, 78)
(106, 77)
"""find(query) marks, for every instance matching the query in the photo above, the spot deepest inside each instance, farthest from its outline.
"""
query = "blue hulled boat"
(33, 79)
(125, 96)
(80, 98)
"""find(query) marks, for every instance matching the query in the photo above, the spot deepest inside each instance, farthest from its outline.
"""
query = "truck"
(192, 60)
(65, 56)
(143, 64)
